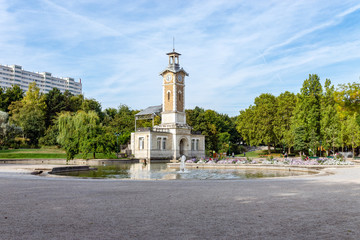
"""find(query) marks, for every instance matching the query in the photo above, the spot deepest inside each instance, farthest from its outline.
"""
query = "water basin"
(157, 171)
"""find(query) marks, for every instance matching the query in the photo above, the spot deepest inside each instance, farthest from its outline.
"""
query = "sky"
(232, 50)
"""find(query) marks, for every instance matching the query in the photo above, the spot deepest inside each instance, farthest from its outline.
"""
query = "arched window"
(180, 96)
(168, 95)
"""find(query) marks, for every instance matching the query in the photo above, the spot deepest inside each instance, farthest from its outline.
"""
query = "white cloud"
(233, 50)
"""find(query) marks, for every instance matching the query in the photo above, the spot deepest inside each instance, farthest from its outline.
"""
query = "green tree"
(285, 106)
(300, 139)
(10, 95)
(307, 112)
(353, 132)
(218, 129)
(29, 114)
(82, 133)
(92, 105)
(330, 121)
(264, 113)
(347, 97)
(8, 131)
(121, 120)
(246, 125)
(55, 103)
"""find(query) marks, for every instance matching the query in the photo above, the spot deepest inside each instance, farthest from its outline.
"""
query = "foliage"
(353, 132)
(347, 97)
(55, 103)
(264, 118)
(10, 95)
(82, 132)
(246, 126)
(29, 114)
(50, 135)
(330, 121)
(307, 113)
(285, 106)
(219, 129)
(8, 131)
(256, 124)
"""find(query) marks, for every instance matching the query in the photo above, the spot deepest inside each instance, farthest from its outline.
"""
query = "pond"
(158, 171)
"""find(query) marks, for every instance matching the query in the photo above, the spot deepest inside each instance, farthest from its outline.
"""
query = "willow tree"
(82, 133)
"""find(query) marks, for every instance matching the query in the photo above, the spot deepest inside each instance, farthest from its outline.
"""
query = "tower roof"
(174, 69)
(150, 111)
(173, 53)
(174, 65)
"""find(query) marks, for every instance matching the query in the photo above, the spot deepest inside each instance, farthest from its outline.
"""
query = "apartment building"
(15, 75)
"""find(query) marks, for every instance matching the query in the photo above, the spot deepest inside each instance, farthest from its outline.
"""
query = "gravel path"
(315, 207)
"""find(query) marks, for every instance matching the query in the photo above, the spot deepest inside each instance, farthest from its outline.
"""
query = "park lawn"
(32, 155)
(47, 153)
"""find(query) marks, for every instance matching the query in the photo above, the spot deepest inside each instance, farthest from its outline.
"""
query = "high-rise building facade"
(15, 75)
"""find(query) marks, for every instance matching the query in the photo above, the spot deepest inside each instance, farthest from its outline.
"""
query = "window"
(195, 144)
(141, 143)
(168, 95)
(158, 143)
(163, 143)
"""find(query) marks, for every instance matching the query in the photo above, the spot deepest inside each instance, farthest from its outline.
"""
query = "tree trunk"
(269, 151)
(93, 155)
(289, 150)
(353, 150)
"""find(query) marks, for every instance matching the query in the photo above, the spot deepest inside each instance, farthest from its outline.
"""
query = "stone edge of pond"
(315, 168)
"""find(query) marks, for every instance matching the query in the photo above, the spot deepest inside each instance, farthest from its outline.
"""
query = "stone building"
(173, 137)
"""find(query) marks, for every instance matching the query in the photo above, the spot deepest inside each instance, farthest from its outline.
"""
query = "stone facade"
(173, 137)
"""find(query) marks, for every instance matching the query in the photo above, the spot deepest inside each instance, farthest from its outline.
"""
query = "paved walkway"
(314, 207)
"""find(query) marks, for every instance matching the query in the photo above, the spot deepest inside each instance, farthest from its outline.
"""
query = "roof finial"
(173, 44)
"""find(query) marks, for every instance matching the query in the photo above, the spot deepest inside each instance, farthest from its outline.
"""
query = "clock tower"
(173, 111)
(173, 138)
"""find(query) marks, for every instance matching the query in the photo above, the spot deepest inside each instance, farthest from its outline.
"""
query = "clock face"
(179, 77)
(168, 77)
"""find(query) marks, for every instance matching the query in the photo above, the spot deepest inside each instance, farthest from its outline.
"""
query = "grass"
(46, 153)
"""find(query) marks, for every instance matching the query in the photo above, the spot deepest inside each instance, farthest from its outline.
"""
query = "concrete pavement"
(314, 207)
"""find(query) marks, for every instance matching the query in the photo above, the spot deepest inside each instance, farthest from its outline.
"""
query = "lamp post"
(117, 143)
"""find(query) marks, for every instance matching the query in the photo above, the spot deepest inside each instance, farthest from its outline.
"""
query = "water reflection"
(139, 171)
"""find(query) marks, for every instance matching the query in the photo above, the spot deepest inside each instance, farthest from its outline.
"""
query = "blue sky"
(233, 50)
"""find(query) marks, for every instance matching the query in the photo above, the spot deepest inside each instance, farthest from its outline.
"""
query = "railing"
(161, 130)
(146, 129)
